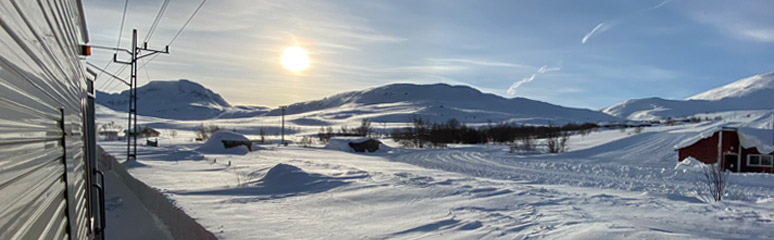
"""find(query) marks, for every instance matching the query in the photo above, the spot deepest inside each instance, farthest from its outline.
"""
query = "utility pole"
(283, 124)
(131, 128)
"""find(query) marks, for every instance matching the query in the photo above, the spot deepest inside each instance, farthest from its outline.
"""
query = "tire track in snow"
(573, 172)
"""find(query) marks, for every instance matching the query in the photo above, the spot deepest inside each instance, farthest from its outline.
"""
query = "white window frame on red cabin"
(760, 160)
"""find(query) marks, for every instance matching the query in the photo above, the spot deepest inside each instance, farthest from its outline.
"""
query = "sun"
(295, 59)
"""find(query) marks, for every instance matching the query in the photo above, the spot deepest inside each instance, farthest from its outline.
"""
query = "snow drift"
(289, 176)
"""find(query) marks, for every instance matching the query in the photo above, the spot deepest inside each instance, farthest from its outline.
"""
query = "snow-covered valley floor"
(613, 185)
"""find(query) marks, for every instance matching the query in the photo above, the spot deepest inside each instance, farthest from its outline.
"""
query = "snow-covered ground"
(612, 184)
(124, 209)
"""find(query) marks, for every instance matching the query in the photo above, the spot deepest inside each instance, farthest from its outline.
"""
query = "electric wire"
(118, 42)
(157, 20)
(195, 12)
(179, 32)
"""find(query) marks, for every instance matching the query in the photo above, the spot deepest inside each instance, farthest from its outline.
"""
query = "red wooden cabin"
(737, 150)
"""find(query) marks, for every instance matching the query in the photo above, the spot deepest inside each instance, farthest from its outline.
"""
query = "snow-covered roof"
(214, 144)
(228, 136)
(748, 137)
(342, 143)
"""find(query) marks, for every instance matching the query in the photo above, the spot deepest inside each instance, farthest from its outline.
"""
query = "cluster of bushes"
(363, 130)
(421, 133)
(671, 121)
(204, 132)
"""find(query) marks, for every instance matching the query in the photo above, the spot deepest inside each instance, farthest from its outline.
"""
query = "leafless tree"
(204, 132)
(365, 128)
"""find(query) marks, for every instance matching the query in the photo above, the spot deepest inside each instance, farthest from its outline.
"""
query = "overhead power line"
(179, 32)
(118, 42)
(187, 22)
(195, 12)
(157, 20)
(106, 72)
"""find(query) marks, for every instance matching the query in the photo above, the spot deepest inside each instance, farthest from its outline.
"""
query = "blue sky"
(588, 54)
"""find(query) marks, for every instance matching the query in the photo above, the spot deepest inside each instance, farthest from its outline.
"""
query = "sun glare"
(294, 59)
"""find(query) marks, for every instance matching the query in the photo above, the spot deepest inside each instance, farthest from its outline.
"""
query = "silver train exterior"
(49, 185)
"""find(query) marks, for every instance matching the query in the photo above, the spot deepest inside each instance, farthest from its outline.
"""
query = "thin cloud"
(658, 5)
(600, 28)
(607, 25)
(542, 70)
(761, 35)
(478, 62)
(748, 27)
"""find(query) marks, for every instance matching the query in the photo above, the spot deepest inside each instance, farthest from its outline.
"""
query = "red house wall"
(706, 151)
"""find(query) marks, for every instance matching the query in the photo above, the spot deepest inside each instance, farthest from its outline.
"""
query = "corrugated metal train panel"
(42, 166)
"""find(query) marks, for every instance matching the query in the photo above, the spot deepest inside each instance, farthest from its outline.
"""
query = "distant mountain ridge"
(181, 100)
(187, 100)
(438, 103)
(751, 93)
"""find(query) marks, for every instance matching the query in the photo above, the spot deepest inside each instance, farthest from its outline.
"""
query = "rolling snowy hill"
(751, 93)
(437, 103)
(181, 100)
(395, 103)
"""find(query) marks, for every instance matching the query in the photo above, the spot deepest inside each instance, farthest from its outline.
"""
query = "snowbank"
(342, 143)
(288, 180)
(289, 176)
(689, 165)
(214, 144)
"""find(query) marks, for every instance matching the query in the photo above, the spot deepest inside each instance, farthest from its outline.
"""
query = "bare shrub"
(556, 141)
(638, 130)
(406, 143)
(527, 142)
(306, 142)
(715, 181)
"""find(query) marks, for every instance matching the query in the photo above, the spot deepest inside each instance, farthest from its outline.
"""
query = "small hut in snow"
(355, 144)
(149, 132)
(108, 134)
(737, 149)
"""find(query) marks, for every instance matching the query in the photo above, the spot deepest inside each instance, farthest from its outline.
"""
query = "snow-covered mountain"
(181, 100)
(187, 100)
(758, 85)
(751, 93)
(438, 103)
